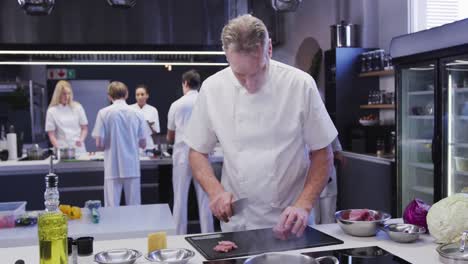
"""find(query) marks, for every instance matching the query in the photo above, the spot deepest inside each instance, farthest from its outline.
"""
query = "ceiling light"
(285, 5)
(37, 7)
(122, 3)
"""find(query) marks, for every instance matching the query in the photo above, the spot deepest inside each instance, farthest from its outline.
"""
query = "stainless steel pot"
(281, 258)
(343, 35)
(67, 153)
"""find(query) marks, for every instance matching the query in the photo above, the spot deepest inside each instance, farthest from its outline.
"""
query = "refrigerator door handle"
(433, 150)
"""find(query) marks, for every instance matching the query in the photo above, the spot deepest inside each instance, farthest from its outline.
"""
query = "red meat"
(225, 246)
(362, 215)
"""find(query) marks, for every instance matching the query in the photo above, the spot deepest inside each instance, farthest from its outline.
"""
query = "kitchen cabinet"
(366, 181)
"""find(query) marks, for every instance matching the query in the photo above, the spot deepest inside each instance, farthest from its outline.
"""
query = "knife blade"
(239, 205)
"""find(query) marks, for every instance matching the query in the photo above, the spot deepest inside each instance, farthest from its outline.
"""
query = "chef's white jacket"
(120, 127)
(264, 137)
(177, 119)
(66, 121)
(151, 115)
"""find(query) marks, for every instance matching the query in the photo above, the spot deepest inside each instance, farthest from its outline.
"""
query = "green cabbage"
(448, 218)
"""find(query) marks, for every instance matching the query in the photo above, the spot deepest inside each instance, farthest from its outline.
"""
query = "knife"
(239, 205)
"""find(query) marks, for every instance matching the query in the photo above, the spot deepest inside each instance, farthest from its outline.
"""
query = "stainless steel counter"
(9, 168)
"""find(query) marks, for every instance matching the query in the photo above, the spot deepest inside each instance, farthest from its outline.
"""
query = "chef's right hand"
(220, 206)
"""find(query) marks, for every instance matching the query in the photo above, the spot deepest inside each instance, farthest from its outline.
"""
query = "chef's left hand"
(292, 220)
(78, 143)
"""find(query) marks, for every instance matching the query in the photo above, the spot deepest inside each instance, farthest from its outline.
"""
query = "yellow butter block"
(157, 241)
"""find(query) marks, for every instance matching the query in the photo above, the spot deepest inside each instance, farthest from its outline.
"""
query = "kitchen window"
(425, 14)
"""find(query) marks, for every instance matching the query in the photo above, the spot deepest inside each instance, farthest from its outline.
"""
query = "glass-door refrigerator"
(431, 78)
(415, 118)
(454, 75)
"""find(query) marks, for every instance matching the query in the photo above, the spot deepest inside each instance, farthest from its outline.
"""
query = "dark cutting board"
(252, 242)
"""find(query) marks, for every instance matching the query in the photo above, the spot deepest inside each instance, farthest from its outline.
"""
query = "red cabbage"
(416, 212)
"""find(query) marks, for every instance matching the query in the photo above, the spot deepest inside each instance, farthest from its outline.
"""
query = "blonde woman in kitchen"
(66, 122)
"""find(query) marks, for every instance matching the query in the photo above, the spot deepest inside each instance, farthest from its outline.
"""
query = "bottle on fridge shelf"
(52, 225)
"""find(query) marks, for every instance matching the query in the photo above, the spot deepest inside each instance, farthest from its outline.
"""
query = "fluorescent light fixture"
(113, 63)
(104, 52)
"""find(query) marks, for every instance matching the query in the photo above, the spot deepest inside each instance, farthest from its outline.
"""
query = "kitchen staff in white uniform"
(149, 112)
(66, 122)
(325, 207)
(119, 131)
(178, 117)
(264, 114)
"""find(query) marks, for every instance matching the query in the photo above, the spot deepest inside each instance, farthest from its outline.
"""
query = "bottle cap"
(51, 180)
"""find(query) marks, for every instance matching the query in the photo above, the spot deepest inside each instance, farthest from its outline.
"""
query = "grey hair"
(244, 34)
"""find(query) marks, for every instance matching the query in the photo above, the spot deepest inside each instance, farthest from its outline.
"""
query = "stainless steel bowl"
(117, 256)
(281, 258)
(361, 228)
(172, 256)
(404, 233)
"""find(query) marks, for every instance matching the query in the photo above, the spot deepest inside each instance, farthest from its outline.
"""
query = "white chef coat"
(120, 127)
(66, 121)
(264, 138)
(177, 119)
(151, 115)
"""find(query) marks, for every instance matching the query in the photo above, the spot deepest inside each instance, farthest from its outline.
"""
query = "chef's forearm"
(84, 133)
(317, 177)
(203, 172)
(52, 138)
(99, 144)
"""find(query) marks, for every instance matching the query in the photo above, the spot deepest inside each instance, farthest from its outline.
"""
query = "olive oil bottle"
(52, 225)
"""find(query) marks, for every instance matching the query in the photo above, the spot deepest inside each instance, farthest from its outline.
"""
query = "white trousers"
(324, 210)
(181, 178)
(113, 191)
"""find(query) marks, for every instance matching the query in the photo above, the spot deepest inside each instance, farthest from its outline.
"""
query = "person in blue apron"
(265, 114)
(179, 114)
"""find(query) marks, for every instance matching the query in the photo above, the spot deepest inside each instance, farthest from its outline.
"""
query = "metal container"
(404, 233)
(173, 256)
(35, 153)
(67, 153)
(343, 35)
(361, 228)
(117, 256)
(281, 258)
(454, 253)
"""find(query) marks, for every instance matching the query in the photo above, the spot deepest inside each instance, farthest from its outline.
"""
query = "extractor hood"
(87, 22)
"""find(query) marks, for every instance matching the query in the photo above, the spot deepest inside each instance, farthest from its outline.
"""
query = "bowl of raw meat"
(361, 222)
